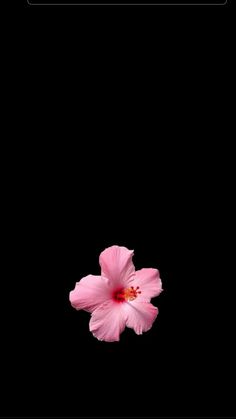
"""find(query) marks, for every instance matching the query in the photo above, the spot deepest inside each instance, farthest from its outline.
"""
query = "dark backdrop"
(112, 158)
(168, 210)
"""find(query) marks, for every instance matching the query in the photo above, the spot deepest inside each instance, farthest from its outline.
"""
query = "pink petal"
(90, 292)
(107, 322)
(149, 282)
(116, 264)
(139, 315)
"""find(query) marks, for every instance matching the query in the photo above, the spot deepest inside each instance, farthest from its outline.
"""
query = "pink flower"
(119, 297)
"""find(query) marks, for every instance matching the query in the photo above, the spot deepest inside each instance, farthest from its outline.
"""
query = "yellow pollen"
(129, 294)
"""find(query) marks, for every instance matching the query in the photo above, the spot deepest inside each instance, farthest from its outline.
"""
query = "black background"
(128, 144)
(173, 2)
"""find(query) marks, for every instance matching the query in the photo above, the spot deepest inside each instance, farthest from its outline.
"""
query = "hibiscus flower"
(119, 297)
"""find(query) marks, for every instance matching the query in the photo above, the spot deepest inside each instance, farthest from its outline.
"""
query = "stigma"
(126, 294)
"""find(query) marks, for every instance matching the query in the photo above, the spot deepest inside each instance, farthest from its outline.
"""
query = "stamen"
(126, 294)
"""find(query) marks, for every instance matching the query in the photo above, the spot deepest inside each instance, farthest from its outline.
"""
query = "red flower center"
(126, 294)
